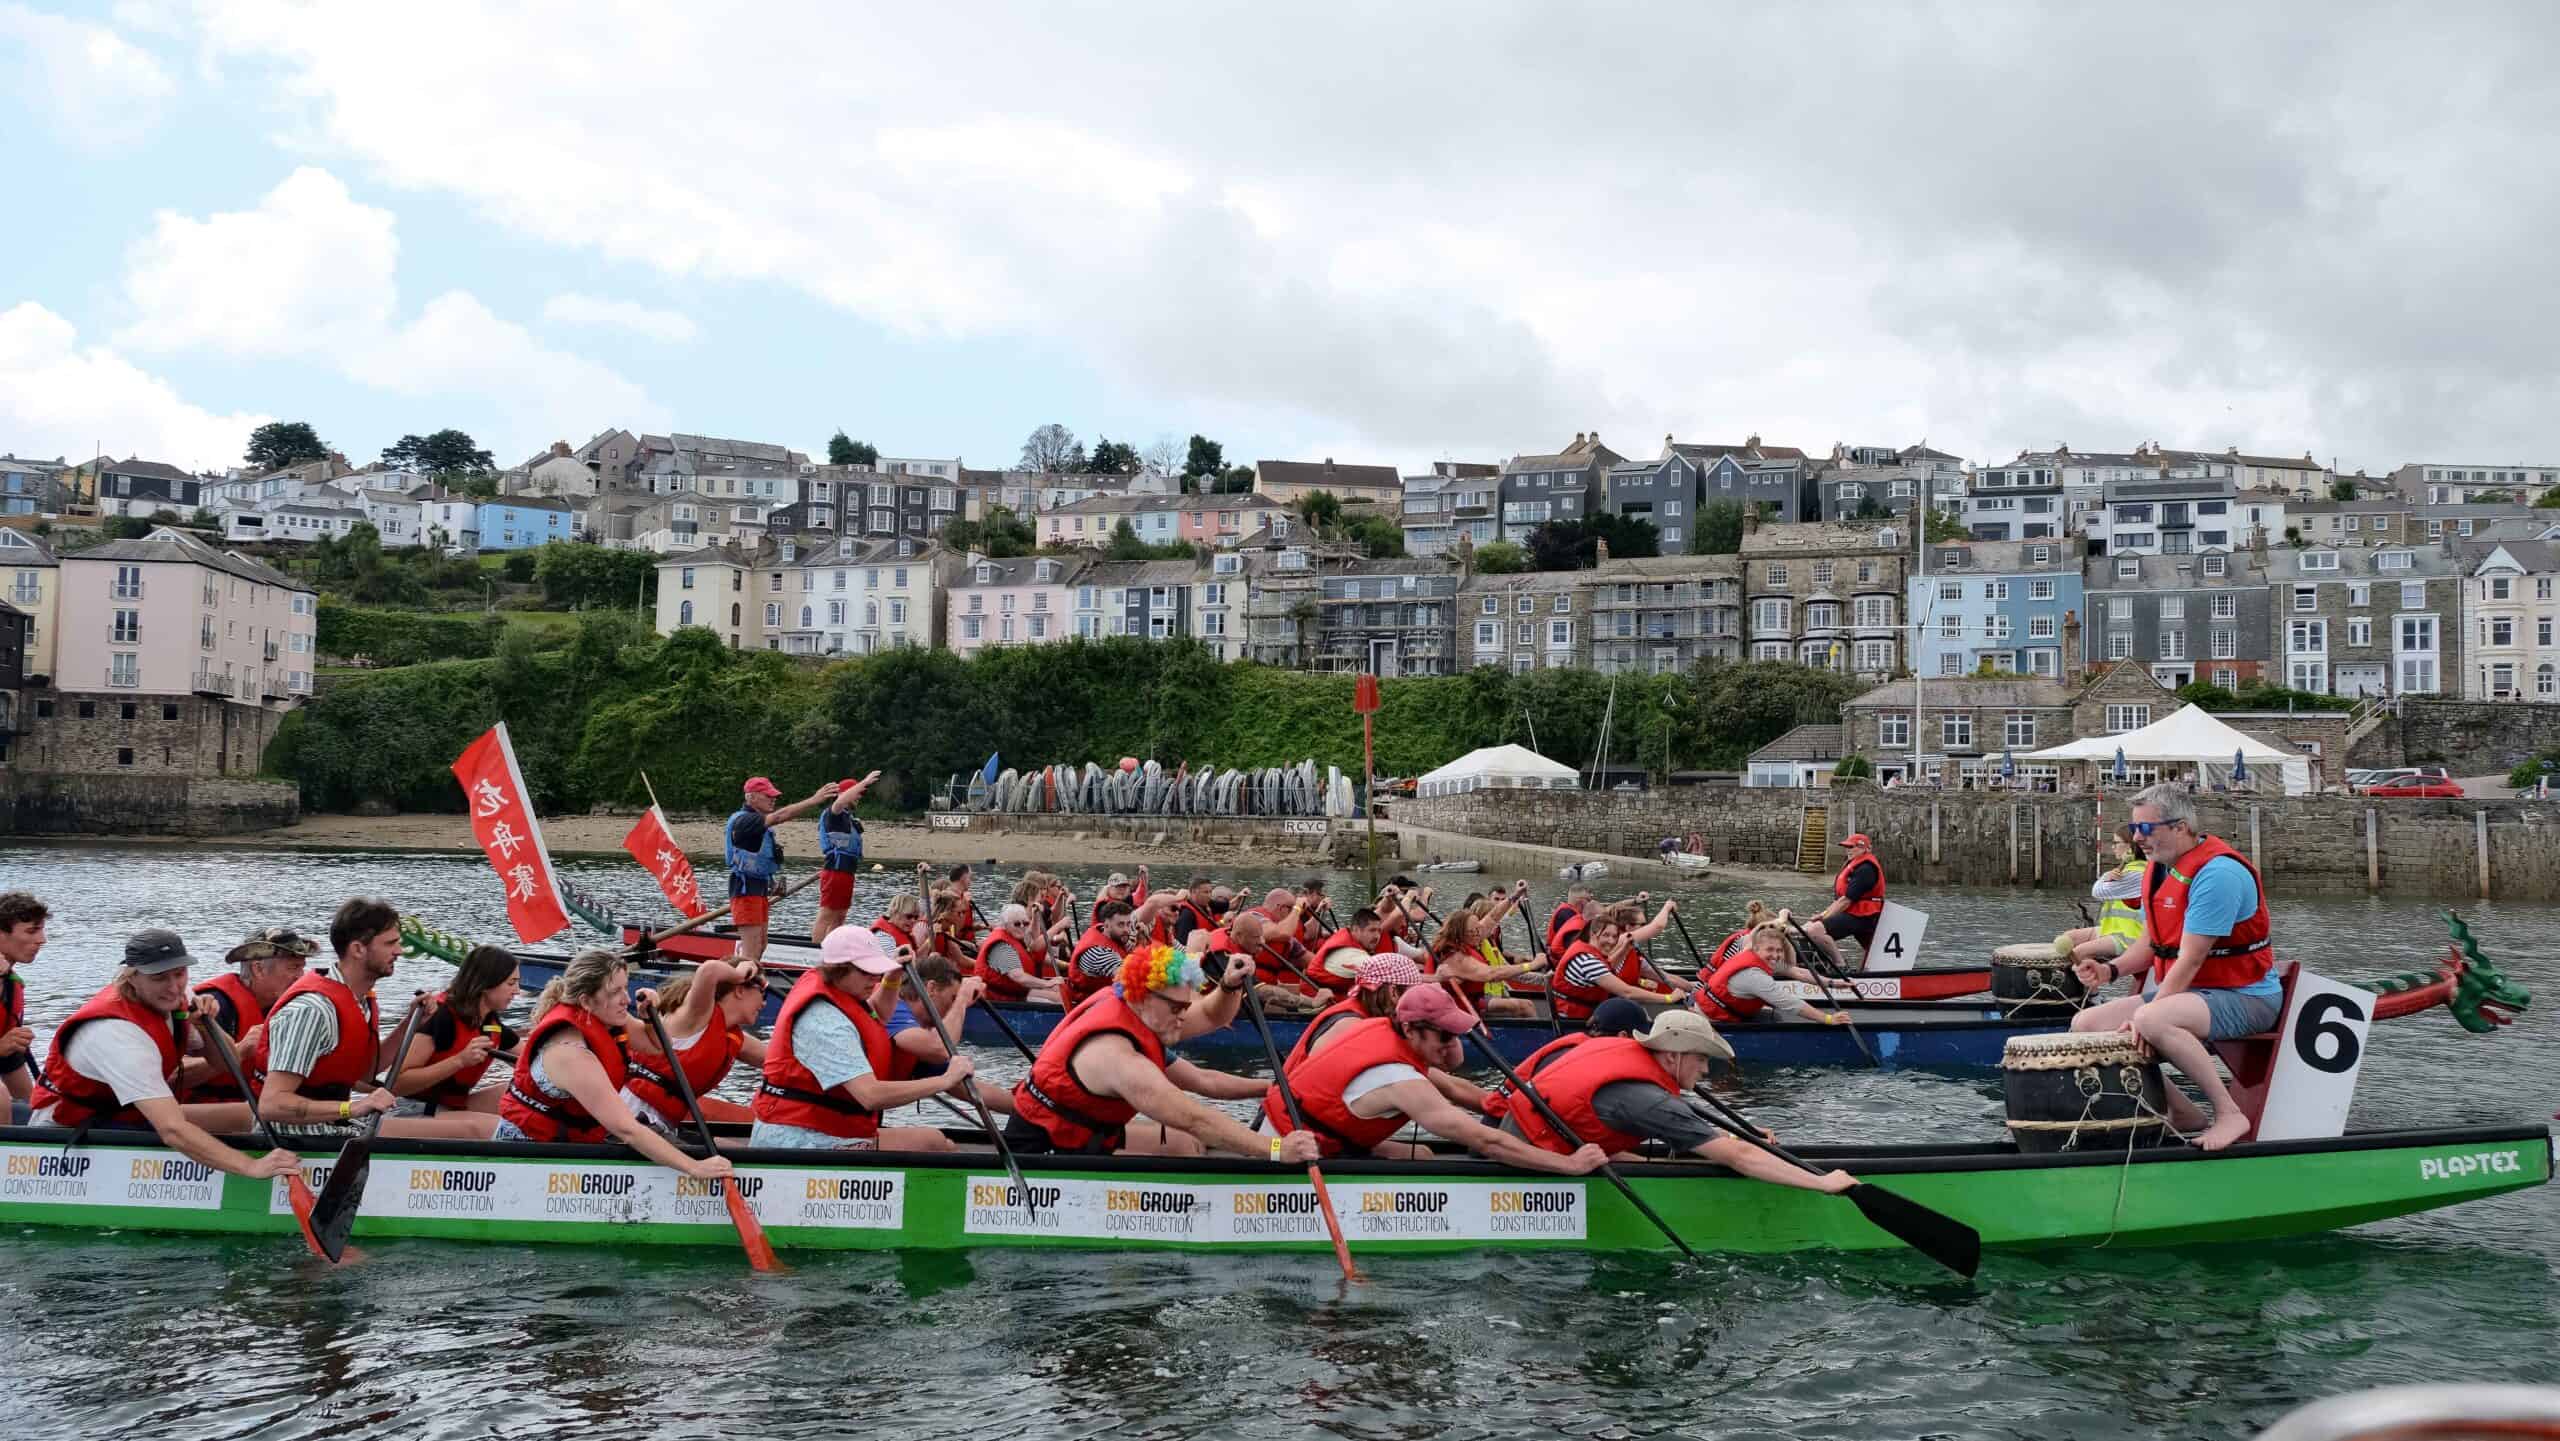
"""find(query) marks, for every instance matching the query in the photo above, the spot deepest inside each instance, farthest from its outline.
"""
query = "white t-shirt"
(1362, 1084)
(121, 1056)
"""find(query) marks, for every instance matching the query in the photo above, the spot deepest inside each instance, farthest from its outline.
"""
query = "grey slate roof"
(166, 546)
(1805, 743)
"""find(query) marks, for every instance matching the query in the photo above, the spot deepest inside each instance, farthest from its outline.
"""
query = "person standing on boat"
(829, 1064)
(2205, 944)
(1375, 1076)
(839, 855)
(265, 966)
(458, 1037)
(1106, 1069)
(22, 919)
(2118, 893)
(1005, 964)
(755, 856)
(114, 1062)
(567, 1087)
(1743, 986)
(324, 1040)
(1620, 1092)
(1857, 902)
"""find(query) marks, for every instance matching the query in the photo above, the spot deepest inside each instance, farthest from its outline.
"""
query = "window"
(1874, 611)
(2306, 597)
(124, 668)
(2542, 680)
(1559, 633)
(1492, 606)
(2359, 594)
(2122, 718)
(772, 613)
(2542, 587)
(2392, 560)
(1525, 633)
(2215, 565)
(126, 628)
(2040, 590)
(1874, 655)
(1528, 605)
(128, 584)
(2173, 644)
(1777, 572)
(688, 578)
(2359, 631)
(1488, 635)
(2500, 588)
(897, 612)
(1951, 627)
(1955, 731)
(835, 612)
(2119, 645)
(2319, 560)
(2413, 595)
(2019, 729)
(1893, 729)
(2040, 627)
(2173, 607)
(2307, 637)
(2128, 568)
(2502, 631)
(2227, 677)
(1563, 605)
(1951, 590)
(2120, 607)
(1995, 590)
(1770, 615)
(1950, 664)
(1995, 627)
(2226, 607)
(2542, 631)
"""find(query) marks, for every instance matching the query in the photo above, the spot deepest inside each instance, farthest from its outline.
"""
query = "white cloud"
(57, 398)
(88, 82)
(595, 312)
(455, 346)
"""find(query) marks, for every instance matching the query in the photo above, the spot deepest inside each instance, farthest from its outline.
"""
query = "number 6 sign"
(2319, 1051)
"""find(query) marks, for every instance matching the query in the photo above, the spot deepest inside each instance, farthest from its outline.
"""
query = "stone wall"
(2313, 843)
(124, 733)
(160, 805)
(2475, 737)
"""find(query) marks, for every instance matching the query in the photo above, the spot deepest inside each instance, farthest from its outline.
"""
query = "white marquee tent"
(2192, 737)
(1499, 768)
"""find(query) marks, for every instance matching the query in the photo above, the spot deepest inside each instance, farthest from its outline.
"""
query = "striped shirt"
(1100, 962)
(1587, 969)
(302, 1031)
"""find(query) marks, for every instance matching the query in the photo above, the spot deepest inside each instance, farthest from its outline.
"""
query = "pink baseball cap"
(760, 786)
(858, 947)
(1435, 1007)
(1390, 969)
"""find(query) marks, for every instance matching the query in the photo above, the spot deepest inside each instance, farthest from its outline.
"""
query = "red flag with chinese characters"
(654, 847)
(502, 821)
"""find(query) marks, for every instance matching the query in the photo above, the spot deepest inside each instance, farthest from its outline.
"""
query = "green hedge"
(405, 637)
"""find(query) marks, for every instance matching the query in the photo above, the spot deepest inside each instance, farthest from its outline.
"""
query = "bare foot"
(2184, 1114)
(2223, 1132)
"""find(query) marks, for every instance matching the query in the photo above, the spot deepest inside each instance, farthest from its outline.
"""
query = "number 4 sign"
(1899, 930)
(2319, 1050)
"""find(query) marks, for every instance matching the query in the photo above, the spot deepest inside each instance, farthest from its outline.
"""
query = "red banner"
(502, 821)
(654, 847)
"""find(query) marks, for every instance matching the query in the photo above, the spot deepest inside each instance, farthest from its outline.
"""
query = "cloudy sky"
(1390, 233)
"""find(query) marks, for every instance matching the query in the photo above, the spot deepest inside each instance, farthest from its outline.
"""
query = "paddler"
(1366, 934)
(569, 1078)
(1005, 961)
(264, 967)
(1104, 1082)
(706, 1012)
(839, 854)
(1603, 963)
(457, 1038)
(1192, 910)
(1374, 1077)
(324, 1040)
(1754, 916)
(2205, 944)
(918, 1050)
(963, 930)
(1621, 1092)
(1095, 962)
(755, 856)
(829, 1067)
(2118, 892)
(22, 919)
(1743, 986)
(902, 925)
(1567, 922)
(1616, 1016)
(1458, 953)
(114, 1062)
(1857, 901)
(1377, 983)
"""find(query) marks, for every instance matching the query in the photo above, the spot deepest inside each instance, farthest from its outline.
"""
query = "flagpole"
(653, 798)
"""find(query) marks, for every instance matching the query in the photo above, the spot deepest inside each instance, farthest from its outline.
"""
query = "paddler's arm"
(703, 995)
(196, 1144)
(1217, 1005)
(1199, 1080)
(1423, 1104)
(573, 1068)
(1745, 1159)
(417, 1077)
(964, 995)
(1109, 1066)
(1464, 1094)
(1661, 921)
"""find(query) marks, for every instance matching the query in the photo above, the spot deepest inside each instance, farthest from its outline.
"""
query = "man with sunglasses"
(265, 966)
(2205, 944)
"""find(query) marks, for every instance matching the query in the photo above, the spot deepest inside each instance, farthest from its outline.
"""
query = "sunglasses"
(2143, 829)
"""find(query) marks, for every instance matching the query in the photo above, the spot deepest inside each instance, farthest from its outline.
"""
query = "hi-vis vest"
(2123, 919)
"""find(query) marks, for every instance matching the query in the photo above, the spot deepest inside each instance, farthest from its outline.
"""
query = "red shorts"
(750, 910)
(835, 890)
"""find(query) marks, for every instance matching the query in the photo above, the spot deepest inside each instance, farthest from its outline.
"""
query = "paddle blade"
(750, 1231)
(298, 1191)
(333, 1215)
(1942, 1238)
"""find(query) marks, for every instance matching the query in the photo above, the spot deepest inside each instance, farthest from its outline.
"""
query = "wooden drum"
(2083, 1091)
(2027, 974)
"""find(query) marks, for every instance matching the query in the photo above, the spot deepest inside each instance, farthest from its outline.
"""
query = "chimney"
(2071, 668)
(1595, 440)
(1328, 465)
(1600, 549)
(1466, 553)
(1577, 440)
(1666, 445)
(1753, 443)
(560, 448)
(1750, 515)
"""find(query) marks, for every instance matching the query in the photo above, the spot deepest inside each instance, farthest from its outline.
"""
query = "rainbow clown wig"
(1152, 968)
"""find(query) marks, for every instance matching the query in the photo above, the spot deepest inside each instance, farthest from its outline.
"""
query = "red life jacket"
(1322, 975)
(357, 1057)
(1569, 1085)
(1552, 1052)
(217, 1084)
(1715, 997)
(1739, 940)
(1271, 965)
(790, 1094)
(1564, 926)
(79, 1101)
(706, 1061)
(1319, 1080)
(1164, 921)
(2239, 959)
(897, 935)
(1574, 1000)
(1002, 987)
(560, 1118)
(1348, 1008)
(1873, 903)
(1054, 1100)
(453, 1093)
(1080, 986)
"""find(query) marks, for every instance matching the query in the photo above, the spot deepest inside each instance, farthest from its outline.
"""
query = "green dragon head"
(417, 938)
(2482, 999)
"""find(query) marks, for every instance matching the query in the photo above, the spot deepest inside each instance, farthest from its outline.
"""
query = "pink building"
(1024, 601)
(1220, 521)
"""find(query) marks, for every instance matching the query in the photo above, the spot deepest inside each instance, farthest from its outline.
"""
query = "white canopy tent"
(1499, 768)
(2193, 737)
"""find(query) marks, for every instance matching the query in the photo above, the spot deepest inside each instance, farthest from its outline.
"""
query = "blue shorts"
(2236, 1011)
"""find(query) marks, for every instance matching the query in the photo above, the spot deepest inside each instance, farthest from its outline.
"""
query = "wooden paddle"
(296, 1186)
(333, 1214)
(924, 1002)
(1817, 961)
(1940, 1237)
(707, 917)
(1484, 1043)
(750, 1230)
(993, 1014)
(1298, 1121)
(1538, 950)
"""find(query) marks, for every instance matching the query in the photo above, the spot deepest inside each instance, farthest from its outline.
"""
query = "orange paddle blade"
(750, 1231)
(1333, 1225)
(297, 1189)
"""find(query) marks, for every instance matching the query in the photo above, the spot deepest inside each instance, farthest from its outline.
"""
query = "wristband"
(1275, 1148)
(346, 1110)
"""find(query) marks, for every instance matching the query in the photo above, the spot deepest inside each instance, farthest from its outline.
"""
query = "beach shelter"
(2192, 737)
(1504, 767)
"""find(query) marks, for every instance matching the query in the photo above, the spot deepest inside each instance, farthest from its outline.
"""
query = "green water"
(129, 1335)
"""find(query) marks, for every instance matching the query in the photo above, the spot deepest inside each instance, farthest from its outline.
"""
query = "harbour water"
(120, 1335)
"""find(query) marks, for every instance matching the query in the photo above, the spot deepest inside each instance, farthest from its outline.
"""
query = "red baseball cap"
(759, 785)
(1856, 838)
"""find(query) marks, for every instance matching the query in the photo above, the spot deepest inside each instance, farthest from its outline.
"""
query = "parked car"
(2417, 787)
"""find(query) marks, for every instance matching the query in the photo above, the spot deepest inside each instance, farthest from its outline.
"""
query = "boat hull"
(471, 1191)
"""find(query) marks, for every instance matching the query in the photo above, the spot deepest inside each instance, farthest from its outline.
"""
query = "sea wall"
(2475, 737)
(163, 805)
(1301, 834)
(2447, 850)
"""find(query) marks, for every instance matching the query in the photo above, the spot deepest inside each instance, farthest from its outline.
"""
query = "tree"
(1755, 702)
(1111, 457)
(2549, 499)
(125, 527)
(843, 449)
(518, 567)
(446, 455)
(1125, 545)
(1575, 544)
(1052, 450)
(280, 443)
(1501, 557)
(1629, 537)
(1237, 481)
(1380, 537)
(2490, 497)
(1320, 509)
(2342, 489)
(579, 576)
(1159, 458)
(1719, 529)
(1002, 535)
(1205, 458)
(1940, 526)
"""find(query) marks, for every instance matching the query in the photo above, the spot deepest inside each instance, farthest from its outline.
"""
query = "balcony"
(270, 649)
(209, 683)
(123, 679)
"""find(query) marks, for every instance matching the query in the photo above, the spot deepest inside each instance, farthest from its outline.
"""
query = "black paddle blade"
(1942, 1238)
(333, 1215)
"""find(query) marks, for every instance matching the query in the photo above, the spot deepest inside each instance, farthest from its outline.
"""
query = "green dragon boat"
(601, 1195)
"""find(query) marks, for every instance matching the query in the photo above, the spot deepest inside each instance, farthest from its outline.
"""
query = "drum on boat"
(2082, 1091)
(2027, 974)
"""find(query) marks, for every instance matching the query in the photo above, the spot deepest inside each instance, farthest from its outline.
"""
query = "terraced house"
(1536, 621)
(1655, 615)
(1028, 600)
(2358, 622)
(1567, 485)
(1994, 605)
(1827, 594)
(1389, 618)
(850, 596)
(2180, 618)
(2510, 619)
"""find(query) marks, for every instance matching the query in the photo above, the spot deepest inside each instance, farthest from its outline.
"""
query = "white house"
(452, 522)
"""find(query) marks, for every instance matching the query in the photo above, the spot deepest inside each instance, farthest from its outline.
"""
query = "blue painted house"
(1995, 604)
(522, 521)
